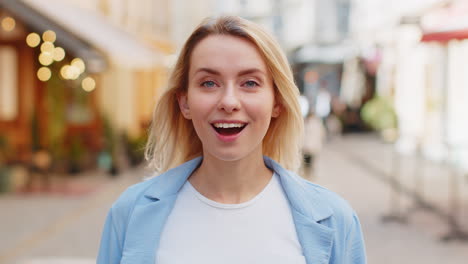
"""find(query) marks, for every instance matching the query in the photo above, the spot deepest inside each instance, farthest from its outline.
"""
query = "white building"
(423, 71)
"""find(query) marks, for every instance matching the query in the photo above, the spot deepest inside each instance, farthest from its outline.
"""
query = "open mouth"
(227, 129)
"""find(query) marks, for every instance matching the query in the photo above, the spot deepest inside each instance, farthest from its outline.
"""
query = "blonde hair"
(173, 140)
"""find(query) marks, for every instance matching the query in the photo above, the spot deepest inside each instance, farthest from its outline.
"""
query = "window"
(8, 83)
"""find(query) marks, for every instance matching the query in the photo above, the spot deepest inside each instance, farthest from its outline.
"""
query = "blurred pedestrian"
(323, 102)
(225, 137)
(314, 137)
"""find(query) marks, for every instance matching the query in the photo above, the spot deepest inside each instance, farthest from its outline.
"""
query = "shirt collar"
(303, 198)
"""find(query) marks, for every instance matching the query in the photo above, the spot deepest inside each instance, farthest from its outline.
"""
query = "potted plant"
(380, 114)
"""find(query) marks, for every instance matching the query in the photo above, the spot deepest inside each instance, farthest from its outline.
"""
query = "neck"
(231, 182)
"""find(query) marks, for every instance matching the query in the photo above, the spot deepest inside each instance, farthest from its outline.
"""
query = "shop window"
(79, 110)
(8, 83)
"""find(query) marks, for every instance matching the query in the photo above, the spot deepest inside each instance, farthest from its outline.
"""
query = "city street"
(66, 228)
(84, 85)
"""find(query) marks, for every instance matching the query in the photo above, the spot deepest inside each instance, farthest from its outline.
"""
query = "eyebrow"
(250, 71)
(243, 72)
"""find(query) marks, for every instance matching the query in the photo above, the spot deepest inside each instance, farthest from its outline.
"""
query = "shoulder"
(335, 201)
(127, 200)
(342, 216)
(335, 213)
(349, 245)
(348, 236)
(312, 200)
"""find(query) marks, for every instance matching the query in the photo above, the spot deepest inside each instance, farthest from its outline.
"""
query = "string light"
(8, 24)
(70, 72)
(77, 62)
(48, 47)
(73, 72)
(59, 54)
(88, 84)
(44, 74)
(33, 40)
(49, 36)
(50, 53)
(64, 72)
(46, 58)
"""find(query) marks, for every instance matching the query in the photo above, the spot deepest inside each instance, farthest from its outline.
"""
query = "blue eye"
(251, 84)
(208, 84)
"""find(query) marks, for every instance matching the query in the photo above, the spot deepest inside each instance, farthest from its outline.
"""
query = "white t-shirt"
(202, 231)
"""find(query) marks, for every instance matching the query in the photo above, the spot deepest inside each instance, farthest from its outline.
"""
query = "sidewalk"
(64, 225)
(357, 167)
(429, 182)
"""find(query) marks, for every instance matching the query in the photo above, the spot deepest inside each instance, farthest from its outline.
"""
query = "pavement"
(61, 228)
(360, 167)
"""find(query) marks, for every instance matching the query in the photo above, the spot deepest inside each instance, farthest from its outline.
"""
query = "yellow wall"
(127, 97)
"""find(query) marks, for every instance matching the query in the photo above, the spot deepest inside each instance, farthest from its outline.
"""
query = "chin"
(231, 154)
(227, 156)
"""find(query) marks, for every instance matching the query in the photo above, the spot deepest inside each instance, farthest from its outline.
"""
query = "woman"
(224, 136)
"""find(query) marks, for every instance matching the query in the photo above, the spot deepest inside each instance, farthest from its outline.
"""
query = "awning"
(37, 22)
(446, 23)
(120, 47)
(331, 54)
(445, 36)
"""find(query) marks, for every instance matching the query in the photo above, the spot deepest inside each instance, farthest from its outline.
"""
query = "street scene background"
(383, 92)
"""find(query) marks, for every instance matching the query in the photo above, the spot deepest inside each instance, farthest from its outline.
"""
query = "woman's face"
(230, 97)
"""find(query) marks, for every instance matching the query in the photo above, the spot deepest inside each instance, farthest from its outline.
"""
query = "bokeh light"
(33, 40)
(88, 84)
(49, 36)
(64, 72)
(8, 24)
(73, 72)
(59, 54)
(46, 58)
(78, 63)
(48, 47)
(44, 74)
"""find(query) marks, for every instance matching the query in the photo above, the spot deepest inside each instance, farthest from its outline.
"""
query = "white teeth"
(228, 125)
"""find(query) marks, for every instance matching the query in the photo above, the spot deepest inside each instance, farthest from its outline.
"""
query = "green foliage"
(4, 170)
(56, 108)
(4, 179)
(76, 155)
(77, 150)
(379, 114)
(3, 143)
(135, 147)
(4, 147)
(109, 135)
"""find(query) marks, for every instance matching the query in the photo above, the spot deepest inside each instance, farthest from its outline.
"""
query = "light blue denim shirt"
(327, 228)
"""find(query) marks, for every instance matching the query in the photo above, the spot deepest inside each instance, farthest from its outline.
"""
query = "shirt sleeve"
(110, 250)
(355, 251)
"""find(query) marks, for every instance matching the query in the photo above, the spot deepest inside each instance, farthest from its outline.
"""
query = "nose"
(229, 100)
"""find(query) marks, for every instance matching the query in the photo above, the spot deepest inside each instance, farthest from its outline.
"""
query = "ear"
(276, 110)
(183, 105)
